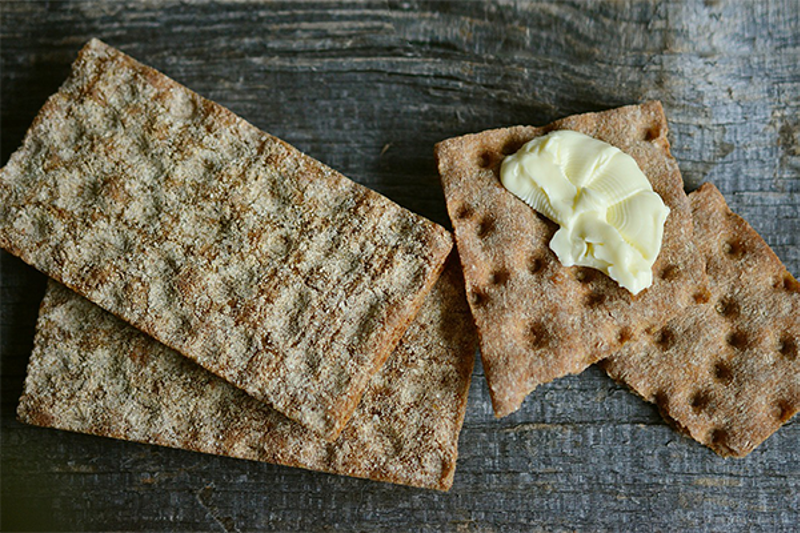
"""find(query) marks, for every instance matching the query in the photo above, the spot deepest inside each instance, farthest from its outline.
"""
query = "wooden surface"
(369, 88)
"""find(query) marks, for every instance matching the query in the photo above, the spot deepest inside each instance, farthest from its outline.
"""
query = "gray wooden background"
(368, 88)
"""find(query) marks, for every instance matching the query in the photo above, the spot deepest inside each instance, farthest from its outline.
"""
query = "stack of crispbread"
(714, 341)
(290, 282)
(93, 373)
(269, 308)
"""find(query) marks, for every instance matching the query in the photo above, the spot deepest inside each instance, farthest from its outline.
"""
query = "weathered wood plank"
(369, 87)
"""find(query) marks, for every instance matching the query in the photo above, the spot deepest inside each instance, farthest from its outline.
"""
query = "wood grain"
(368, 88)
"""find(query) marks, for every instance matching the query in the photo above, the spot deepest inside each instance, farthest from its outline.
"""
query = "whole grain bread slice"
(92, 373)
(537, 319)
(260, 263)
(725, 372)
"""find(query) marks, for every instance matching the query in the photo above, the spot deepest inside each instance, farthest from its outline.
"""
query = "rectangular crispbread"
(725, 372)
(260, 263)
(92, 373)
(537, 319)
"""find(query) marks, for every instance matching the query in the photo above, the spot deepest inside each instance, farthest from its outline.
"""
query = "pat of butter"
(610, 217)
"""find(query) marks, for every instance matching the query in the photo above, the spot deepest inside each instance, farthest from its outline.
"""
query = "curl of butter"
(610, 217)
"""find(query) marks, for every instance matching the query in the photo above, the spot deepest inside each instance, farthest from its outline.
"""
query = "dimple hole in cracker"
(737, 339)
(664, 338)
(652, 133)
(719, 437)
(699, 401)
(785, 410)
(536, 265)
(486, 159)
(511, 146)
(594, 299)
(790, 284)
(538, 335)
(485, 227)
(477, 297)
(733, 248)
(463, 211)
(670, 272)
(788, 347)
(624, 335)
(499, 276)
(661, 399)
(728, 307)
(702, 296)
(723, 372)
(585, 275)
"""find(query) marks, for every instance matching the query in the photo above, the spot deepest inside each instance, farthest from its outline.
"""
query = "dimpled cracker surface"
(537, 319)
(92, 373)
(726, 372)
(260, 263)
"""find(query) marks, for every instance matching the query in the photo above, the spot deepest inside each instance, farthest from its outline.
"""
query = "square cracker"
(260, 263)
(727, 372)
(92, 373)
(537, 319)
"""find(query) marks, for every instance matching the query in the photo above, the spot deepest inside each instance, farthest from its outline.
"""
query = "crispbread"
(537, 319)
(727, 372)
(92, 373)
(260, 263)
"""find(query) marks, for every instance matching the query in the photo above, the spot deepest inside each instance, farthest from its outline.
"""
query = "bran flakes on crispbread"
(726, 372)
(260, 263)
(92, 373)
(537, 319)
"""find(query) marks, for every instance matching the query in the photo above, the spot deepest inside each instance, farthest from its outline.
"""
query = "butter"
(609, 216)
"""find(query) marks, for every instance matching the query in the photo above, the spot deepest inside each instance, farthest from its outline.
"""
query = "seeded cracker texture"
(725, 372)
(92, 373)
(225, 243)
(537, 319)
